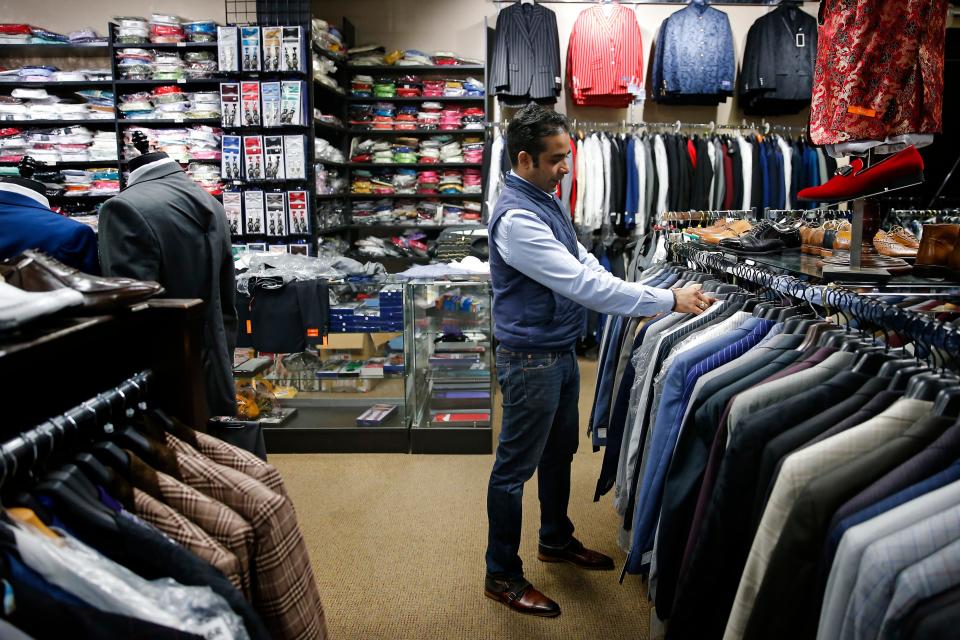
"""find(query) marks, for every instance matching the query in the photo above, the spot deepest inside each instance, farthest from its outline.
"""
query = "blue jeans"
(539, 432)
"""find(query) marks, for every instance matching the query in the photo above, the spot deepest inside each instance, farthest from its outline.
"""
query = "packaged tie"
(253, 213)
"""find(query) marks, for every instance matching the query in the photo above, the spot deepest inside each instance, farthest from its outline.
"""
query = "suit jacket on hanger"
(526, 53)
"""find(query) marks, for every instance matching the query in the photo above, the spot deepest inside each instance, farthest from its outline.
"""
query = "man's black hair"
(529, 127)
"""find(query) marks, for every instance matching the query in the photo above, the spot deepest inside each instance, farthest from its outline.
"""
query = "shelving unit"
(339, 104)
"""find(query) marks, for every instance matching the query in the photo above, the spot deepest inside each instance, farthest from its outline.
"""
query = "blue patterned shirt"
(694, 54)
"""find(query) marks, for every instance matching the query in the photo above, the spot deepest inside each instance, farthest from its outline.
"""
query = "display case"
(350, 393)
(450, 326)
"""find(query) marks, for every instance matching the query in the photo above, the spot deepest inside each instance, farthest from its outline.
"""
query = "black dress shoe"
(576, 553)
(520, 595)
(765, 237)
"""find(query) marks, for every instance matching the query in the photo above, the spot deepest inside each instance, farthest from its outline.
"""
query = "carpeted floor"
(397, 544)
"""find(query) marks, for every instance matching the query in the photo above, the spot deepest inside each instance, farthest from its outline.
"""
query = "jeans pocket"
(539, 362)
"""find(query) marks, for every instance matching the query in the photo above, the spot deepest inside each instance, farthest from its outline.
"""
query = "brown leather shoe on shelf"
(841, 240)
(733, 230)
(521, 596)
(937, 244)
(716, 226)
(905, 237)
(885, 245)
(577, 554)
(35, 271)
(811, 237)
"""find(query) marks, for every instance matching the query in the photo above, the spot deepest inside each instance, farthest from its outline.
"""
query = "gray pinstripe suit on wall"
(526, 55)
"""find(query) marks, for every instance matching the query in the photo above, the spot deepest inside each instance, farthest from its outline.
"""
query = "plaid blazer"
(187, 534)
(220, 521)
(236, 458)
(284, 588)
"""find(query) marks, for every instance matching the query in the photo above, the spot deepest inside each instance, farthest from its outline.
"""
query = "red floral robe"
(879, 69)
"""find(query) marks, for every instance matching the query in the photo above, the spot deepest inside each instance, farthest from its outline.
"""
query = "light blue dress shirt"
(528, 245)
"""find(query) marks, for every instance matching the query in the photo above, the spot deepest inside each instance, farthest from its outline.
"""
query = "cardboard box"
(360, 345)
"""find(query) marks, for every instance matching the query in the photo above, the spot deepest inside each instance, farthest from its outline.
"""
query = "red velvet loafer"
(902, 169)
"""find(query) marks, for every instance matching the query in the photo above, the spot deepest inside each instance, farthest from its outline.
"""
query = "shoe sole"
(543, 558)
(496, 598)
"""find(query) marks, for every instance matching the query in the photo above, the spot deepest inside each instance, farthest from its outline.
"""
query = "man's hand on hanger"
(690, 300)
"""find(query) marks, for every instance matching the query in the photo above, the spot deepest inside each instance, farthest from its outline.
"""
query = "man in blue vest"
(542, 280)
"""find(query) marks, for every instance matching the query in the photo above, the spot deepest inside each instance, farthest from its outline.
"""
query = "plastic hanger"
(814, 334)
(73, 507)
(926, 386)
(889, 369)
(113, 456)
(872, 360)
(799, 325)
(902, 377)
(94, 469)
(947, 402)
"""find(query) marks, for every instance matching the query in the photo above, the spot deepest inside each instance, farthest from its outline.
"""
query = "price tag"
(181, 80)
(749, 262)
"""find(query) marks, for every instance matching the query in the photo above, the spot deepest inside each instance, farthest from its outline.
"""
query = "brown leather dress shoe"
(841, 240)
(576, 553)
(521, 596)
(35, 271)
(811, 239)
(885, 245)
(937, 244)
(733, 230)
(905, 237)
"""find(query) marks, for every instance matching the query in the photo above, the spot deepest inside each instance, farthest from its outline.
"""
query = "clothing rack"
(939, 214)
(922, 330)
(763, 126)
(23, 451)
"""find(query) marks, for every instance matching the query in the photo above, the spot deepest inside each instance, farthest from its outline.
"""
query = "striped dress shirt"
(884, 560)
(798, 469)
(604, 56)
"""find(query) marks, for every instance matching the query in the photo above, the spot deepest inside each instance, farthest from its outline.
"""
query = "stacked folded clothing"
(451, 183)
(451, 119)
(324, 118)
(362, 86)
(409, 86)
(323, 150)
(385, 88)
(199, 65)
(11, 33)
(406, 118)
(207, 176)
(166, 29)
(41, 74)
(472, 118)
(472, 150)
(366, 55)
(51, 146)
(181, 144)
(473, 88)
(135, 64)
(148, 64)
(433, 88)
(428, 183)
(74, 183)
(414, 57)
(326, 37)
(36, 104)
(169, 102)
(376, 55)
(472, 181)
(330, 181)
(85, 36)
(132, 30)
(451, 152)
(201, 31)
(324, 72)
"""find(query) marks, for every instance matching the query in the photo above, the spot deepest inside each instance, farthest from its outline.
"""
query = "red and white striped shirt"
(605, 55)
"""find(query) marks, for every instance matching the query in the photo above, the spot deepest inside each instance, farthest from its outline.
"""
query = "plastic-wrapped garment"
(108, 586)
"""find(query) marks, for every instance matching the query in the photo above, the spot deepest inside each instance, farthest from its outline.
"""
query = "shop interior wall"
(458, 25)
(63, 16)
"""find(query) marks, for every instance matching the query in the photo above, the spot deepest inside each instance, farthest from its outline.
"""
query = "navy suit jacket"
(27, 224)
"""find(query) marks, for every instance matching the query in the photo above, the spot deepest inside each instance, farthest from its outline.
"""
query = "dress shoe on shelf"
(765, 237)
(18, 307)
(520, 596)
(716, 226)
(839, 239)
(35, 271)
(811, 238)
(902, 169)
(732, 230)
(886, 245)
(905, 237)
(577, 554)
(938, 245)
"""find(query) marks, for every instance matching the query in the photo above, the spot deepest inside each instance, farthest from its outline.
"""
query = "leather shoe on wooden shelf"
(577, 554)
(521, 596)
(902, 169)
(885, 245)
(35, 271)
(699, 231)
(939, 251)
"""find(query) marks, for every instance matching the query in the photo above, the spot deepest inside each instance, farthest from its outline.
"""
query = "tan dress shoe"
(885, 245)
(733, 230)
(905, 237)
